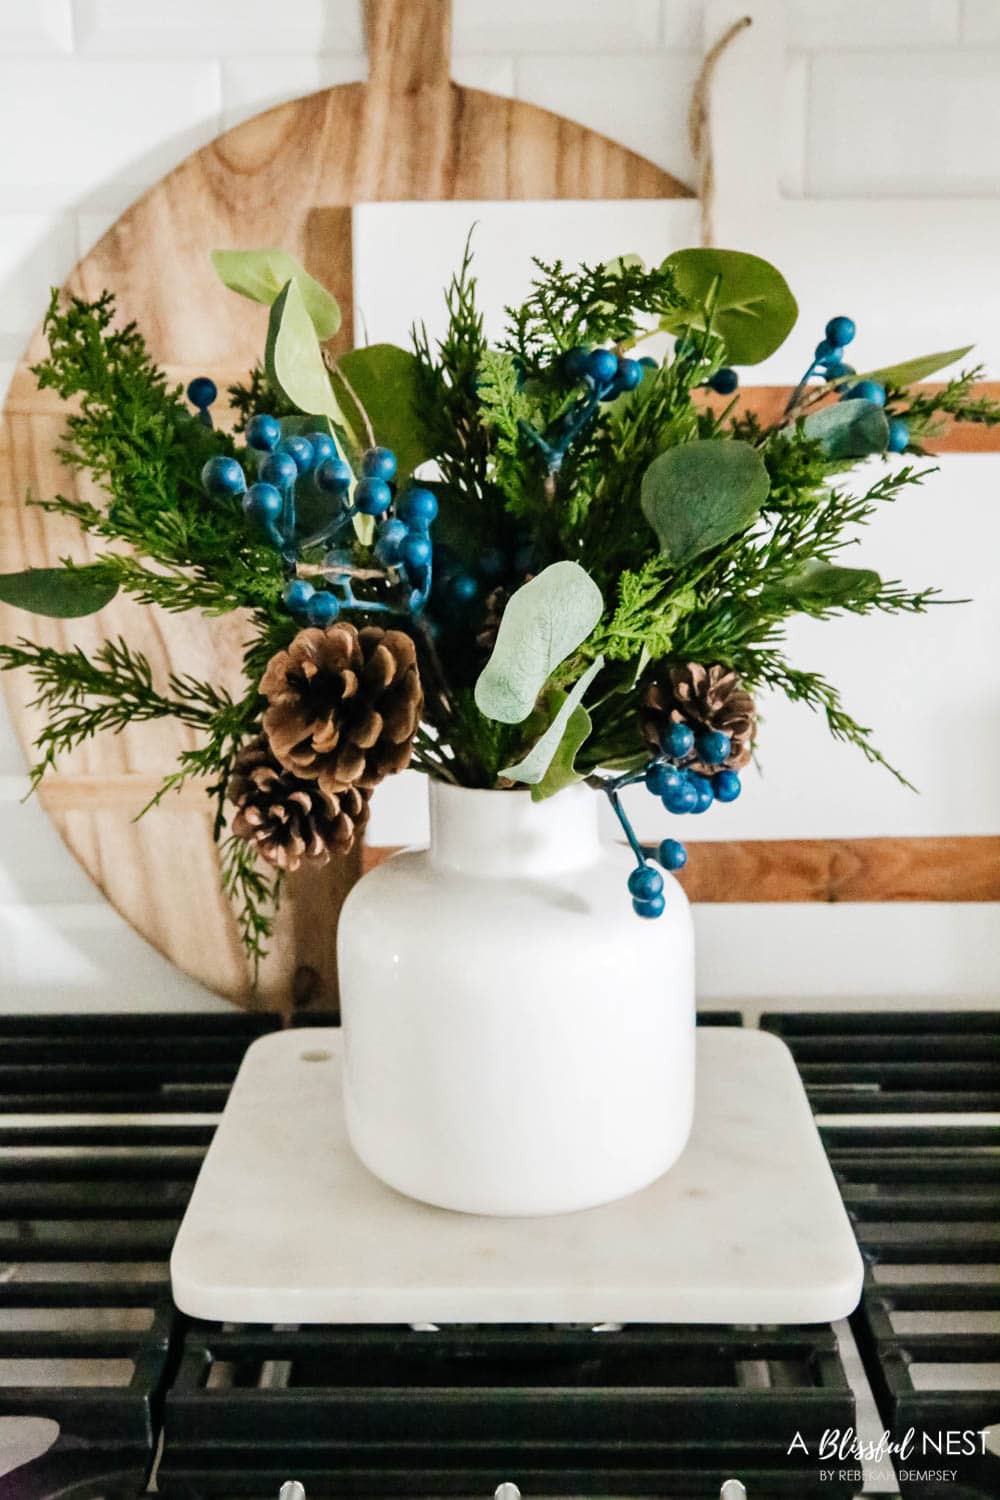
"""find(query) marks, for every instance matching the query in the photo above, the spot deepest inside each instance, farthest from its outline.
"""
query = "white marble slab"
(286, 1226)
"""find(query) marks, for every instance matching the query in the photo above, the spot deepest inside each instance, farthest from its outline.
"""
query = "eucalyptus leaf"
(850, 429)
(562, 770)
(384, 378)
(700, 494)
(261, 274)
(533, 768)
(59, 593)
(754, 310)
(911, 370)
(820, 585)
(293, 359)
(544, 621)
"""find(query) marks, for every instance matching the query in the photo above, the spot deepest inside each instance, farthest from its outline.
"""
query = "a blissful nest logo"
(916, 1457)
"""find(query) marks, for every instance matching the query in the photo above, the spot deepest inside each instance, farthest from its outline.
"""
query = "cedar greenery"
(530, 470)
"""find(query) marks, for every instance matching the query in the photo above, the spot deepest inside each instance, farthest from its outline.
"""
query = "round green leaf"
(384, 378)
(59, 593)
(849, 429)
(700, 494)
(261, 274)
(544, 621)
(754, 309)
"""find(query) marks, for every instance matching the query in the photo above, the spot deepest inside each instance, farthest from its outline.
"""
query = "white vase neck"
(500, 834)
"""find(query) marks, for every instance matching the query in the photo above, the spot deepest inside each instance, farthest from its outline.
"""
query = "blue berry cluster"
(828, 361)
(602, 370)
(282, 463)
(670, 777)
(404, 541)
(291, 465)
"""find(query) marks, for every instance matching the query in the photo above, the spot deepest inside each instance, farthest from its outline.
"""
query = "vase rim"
(482, 829)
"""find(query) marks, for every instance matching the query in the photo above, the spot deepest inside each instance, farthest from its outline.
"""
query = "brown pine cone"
(287, 819)
(706, 698)
(344, 705)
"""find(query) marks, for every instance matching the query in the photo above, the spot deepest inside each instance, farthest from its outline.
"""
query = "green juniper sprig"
(87, 695)
(955, 400)
(138, 440)
(254, 894)
(569, 306)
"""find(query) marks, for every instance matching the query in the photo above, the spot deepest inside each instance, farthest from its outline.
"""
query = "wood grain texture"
(288, 177)
(831, 870)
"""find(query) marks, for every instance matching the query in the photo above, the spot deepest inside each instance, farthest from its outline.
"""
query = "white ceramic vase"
(516, 1040)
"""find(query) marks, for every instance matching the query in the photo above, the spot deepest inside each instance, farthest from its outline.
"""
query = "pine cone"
(344, 706)
(706, 698)
(287, 819)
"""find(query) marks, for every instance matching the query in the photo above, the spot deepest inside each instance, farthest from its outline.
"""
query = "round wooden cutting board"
(288, 178)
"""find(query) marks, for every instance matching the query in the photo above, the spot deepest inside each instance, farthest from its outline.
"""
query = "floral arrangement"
(527, 563)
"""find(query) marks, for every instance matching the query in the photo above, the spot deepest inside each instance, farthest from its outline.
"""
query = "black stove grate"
(558, 1410)
(90, 1201)
(921, 1181)
(94, 1177)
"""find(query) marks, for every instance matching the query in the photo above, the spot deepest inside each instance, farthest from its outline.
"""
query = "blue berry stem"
(796, 396)
(288, 523)
(421, 587)
(554, 449)
(623, 819)
(331, 532)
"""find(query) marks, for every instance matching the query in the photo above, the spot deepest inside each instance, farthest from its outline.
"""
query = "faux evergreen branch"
(84, 696)
(955, 400)
(595, 539)
(610, 303)
(770, 669)
(254, 895)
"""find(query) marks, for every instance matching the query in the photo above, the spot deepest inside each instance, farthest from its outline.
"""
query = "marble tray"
(286, 1226)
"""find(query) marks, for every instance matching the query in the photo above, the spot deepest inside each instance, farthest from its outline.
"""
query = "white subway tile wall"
(212, 29)
(83, 132)
(251, 84)
(929, 130)
(556, 28)
(98, 98)
(980, 21)
(36, 28)
(896, 24)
